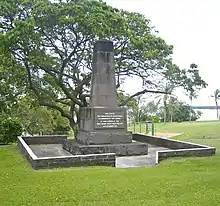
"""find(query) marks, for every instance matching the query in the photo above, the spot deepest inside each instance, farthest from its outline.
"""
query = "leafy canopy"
(46, 51)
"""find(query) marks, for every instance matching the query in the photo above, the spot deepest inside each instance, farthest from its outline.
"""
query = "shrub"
(10, 129)
(154, 119)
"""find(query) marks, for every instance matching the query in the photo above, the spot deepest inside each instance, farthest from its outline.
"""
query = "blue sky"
(193, 28)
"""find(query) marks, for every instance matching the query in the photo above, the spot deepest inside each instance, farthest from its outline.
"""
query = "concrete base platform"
(49, 150)
(56, 150)
(140, 161)
(103, 137)
(125, 149)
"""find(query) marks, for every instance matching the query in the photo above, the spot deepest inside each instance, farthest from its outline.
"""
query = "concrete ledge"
(178, 148)
(125, 149)
(107, 159)
(44, 139)
(196, 152)
(164, 142)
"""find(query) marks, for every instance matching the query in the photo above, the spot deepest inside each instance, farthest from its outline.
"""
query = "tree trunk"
(73, 126)
(171, 113)
(216, 103)
(165, 110)
(190, 110)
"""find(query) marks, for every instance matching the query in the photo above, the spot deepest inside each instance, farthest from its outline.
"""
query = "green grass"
(186, 181)
(198, 132)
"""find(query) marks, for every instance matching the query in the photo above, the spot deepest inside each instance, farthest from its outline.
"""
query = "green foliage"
(39, 120)
(154, 119)
(46, 51)
(182, 113)
(122, 97)
(10, 129)
(56, 41)
(176, 111)
(139, 111)
(60, 124)
(179, 112)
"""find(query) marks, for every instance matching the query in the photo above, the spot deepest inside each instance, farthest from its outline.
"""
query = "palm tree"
(172, 105)
(193, 66)
(152, 107)
(216, 97)
(168, 89)
(192, 95)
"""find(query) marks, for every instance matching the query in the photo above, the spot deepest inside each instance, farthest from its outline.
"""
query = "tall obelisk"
(103, 87)
(103, 122)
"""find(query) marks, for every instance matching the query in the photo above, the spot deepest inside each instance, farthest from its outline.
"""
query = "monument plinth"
(103, 123)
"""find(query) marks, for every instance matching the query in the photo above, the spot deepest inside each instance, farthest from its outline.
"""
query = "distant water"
(207, 114)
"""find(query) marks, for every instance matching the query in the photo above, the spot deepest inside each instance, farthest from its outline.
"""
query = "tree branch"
(63, 87)
(43, 103)
(142, 92)
(63, 102)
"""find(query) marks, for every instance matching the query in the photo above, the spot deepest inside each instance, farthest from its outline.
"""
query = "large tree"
(49, 45)
(187, 79)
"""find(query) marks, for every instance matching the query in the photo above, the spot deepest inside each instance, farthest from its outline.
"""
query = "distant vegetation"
(176, 111)
(216, 97)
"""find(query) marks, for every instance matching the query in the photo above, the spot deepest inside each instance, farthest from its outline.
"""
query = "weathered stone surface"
(155, 155)
(73, 161)
(102, 137)
(44, 160)
(126, 149)
(195, 152)
(103, 119)
(45, 139)
(53, 150)
(104, 45)
(103, 122)
(103, 89)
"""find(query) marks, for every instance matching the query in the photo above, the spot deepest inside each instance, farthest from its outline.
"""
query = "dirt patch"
(167, 134)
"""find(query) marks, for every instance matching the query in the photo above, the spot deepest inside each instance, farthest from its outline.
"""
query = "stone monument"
(103, 125)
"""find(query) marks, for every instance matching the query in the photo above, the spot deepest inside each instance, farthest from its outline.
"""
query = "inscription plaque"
(109, 120)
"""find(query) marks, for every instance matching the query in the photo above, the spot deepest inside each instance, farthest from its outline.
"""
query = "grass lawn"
(187, 181)
(197, 132)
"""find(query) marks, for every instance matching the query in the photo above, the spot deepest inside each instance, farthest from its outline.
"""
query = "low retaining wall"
(196, 152)
(164, 142)
(178, 148)
(107, 159)
(26, 150)
(44, 139)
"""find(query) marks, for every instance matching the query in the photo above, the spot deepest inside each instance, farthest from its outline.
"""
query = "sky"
(193, 28)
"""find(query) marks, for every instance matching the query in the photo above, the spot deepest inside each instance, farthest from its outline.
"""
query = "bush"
(154, 119)
(10, 129)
